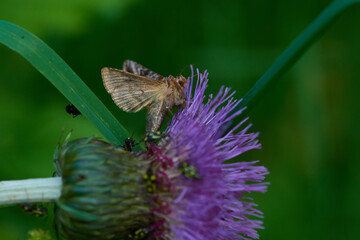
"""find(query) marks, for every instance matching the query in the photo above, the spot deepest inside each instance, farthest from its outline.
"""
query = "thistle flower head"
(203, 198)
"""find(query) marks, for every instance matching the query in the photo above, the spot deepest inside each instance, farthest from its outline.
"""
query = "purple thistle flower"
(201, 197)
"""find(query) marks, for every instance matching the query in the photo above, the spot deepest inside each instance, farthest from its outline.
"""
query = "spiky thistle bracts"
(103, 194)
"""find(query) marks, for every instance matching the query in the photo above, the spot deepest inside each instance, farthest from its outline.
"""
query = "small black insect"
(33, 209)
(72, 110)
(129, 144)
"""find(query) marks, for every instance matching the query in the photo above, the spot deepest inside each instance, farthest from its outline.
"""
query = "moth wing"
(132, 92)
(155, 116)
(134, 67)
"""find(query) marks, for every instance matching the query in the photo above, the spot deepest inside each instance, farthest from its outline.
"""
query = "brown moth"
(136, 87)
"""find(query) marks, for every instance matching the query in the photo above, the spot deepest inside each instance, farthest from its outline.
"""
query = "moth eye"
(182, 81)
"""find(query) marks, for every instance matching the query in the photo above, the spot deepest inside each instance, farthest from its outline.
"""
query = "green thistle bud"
(103, 195)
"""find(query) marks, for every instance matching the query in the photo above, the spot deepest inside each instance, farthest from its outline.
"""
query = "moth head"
(180, 97)
(182, 81)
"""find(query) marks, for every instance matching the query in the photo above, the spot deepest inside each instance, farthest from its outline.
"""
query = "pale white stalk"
(30, 190)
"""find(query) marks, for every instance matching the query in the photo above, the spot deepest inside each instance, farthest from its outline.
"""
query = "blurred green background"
(309, 122)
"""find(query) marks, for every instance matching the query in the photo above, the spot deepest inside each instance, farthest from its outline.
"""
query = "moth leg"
(170, 112)
(167, 117)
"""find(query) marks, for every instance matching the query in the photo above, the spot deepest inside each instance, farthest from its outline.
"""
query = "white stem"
(30, 190)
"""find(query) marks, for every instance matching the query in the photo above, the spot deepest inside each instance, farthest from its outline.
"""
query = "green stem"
(296, 49)
(48, 63)
(30, 190)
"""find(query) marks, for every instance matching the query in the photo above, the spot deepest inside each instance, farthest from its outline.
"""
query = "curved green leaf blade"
(48, 63)
(293, 53)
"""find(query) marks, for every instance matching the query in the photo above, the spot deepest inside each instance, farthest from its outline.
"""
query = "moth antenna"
(193, 66)
(194, 75)
(187, 66)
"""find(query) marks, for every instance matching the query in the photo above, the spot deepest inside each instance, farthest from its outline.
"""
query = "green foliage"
(46, 61)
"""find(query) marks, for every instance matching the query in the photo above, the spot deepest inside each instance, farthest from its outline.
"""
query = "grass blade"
(48, 63)
(295, 51)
